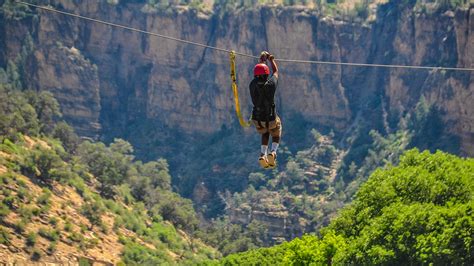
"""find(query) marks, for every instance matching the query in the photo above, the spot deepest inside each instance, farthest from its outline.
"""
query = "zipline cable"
(238, 53)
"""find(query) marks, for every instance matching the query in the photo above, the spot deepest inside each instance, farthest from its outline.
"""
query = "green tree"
(41, 163)
(408, 214)
(93, 212)
(67, 136)
(17, 115)
(47, 109)
(416, 213)
(109, 165)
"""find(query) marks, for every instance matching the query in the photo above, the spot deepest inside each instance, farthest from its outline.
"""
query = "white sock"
(275, 146)
(264, 149)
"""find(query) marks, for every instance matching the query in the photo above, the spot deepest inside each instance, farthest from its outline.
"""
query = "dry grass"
(65, 205)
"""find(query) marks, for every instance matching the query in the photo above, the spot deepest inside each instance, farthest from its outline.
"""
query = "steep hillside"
(66, 222)
(419, 212)
(65, 201)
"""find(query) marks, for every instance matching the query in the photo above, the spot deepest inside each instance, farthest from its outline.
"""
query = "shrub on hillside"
(31, 239)
(4, 210)
(93, 212)
(67, 136)
(36, 255)
(50, 234)
(41, 163)
(20, 226)
(4, 236)
(136, 254)
(109, 164)
(44, 198)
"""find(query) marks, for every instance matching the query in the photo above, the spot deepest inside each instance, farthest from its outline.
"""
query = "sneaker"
(271, 158)
(262, 160)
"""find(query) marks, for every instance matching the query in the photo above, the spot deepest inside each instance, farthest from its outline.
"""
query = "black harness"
(264, 104)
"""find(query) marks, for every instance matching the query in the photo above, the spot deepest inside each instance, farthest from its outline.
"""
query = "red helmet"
(261, 69)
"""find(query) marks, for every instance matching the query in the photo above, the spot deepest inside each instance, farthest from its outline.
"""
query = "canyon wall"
(106, 78)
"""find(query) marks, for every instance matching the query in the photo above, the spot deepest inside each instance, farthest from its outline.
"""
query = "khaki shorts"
(274, 127)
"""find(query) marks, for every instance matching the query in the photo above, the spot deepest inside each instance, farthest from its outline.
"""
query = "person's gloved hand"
(271, 57)
(264, 56)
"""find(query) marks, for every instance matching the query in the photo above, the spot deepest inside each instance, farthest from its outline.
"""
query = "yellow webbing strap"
(242, 122)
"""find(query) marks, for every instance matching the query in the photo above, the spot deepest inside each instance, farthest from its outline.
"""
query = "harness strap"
(242, 122)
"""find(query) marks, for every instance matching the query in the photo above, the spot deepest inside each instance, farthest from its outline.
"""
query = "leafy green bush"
(10, 201)
(76, 237)
(4, 210)
(68, 226)
(51, 248)
(136, 254)
(36, 255)
(44, 198)
(10, 147)
(4, 236)
(134, 222)
(109, 164)
(78, 184)
(166, 234)
(24, 195)
(41, 163)
(69, 139)
(26, 212)
(50, 234)
(16, 116)
(53, 221)
(401, 214)
(173, 208)
(20, 226)
(93, 212)
(84, 262)
(31, 239)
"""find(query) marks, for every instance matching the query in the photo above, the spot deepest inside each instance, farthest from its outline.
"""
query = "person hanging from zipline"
(264, 116)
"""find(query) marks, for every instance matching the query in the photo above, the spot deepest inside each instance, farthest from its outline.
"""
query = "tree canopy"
(419, 212)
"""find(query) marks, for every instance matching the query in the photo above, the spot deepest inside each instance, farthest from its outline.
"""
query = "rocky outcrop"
(301, 199)
(74, 82)
(440, 39)
(144, 78)
(270, 210)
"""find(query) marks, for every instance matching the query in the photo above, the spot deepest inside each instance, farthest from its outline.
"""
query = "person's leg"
(265, 139)
(262, 160)
(276, 136)
(275, 143)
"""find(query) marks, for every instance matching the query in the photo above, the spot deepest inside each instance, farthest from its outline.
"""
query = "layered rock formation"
(187, 87)
(75, 84)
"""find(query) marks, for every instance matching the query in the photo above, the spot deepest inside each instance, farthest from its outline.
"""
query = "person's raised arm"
(274, 65)
(264, 56)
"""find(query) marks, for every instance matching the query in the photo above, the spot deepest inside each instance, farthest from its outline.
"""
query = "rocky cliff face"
(187, 87)
(74, 82)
